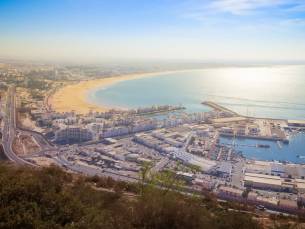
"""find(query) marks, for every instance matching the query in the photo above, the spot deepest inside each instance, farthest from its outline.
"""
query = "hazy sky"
(209, 30)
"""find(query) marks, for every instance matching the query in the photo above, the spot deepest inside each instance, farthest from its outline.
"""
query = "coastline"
(74, 97)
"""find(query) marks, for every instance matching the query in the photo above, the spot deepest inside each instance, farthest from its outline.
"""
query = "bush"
(51, 198)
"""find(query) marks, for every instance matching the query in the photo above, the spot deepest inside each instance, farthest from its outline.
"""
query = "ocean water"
(272, 91)
(292, 152)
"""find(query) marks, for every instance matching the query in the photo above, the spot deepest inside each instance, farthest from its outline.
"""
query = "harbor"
(234, 125)
(260, 138)
(294, 152)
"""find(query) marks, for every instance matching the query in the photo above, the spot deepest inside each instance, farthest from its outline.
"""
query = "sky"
(199, 30)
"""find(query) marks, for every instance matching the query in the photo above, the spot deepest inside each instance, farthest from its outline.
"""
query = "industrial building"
(262, 181)
(275, 183)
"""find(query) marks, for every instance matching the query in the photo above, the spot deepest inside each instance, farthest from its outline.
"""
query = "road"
(160, 165)
(9, 133)
(237, 174)
(9, 130)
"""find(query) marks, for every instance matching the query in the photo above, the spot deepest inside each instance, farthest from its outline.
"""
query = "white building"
(73, 134)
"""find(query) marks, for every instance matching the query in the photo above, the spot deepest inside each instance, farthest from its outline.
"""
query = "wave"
(262, 106)
(256, 100)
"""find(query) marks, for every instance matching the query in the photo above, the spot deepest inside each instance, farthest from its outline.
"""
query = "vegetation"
(52, 198)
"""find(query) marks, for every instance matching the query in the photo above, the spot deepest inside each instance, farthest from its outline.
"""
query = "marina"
(279, 145)
(292, 152)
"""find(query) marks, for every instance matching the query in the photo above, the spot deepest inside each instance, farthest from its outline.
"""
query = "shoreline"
(74, 97)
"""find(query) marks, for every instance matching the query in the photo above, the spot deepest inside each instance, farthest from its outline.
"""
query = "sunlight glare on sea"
(266, 91)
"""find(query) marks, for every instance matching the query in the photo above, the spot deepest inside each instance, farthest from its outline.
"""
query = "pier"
(247, 145)
(218, 107)
(159, 110)
(268, 138)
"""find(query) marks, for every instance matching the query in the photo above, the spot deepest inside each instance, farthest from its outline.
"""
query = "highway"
(9, 130)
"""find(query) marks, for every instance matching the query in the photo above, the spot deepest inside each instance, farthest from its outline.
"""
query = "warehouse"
(262, 181)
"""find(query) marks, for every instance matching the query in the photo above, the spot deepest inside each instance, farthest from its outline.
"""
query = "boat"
(286, 140)
(263, 146)
(279, 144)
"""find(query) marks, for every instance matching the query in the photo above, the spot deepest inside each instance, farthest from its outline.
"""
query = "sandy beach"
(74, 97)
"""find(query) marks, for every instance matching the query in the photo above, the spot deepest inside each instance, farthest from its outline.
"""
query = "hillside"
(52, 198)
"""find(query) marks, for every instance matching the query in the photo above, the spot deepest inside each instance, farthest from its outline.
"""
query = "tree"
(52, 198)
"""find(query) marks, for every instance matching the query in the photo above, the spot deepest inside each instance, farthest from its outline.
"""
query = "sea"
(276, 91)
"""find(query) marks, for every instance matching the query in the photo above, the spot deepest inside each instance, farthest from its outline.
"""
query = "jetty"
(248, 145)
(218, 107)
(258, 137)
(157, 110)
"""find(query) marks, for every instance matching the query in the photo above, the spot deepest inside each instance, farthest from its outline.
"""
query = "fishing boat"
(263, 146)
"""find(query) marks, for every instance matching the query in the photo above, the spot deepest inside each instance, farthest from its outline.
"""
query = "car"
(260, 207)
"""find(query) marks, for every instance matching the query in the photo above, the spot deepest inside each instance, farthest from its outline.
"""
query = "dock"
(162, 111)
(247, 145)
(268, 138)
(218, 107)
(275, 133)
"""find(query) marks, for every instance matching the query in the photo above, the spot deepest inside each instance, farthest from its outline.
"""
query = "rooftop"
(231, 190)
(264, 179)
(230, 119)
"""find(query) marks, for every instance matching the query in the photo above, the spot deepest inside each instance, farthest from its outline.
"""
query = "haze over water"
(272, 91)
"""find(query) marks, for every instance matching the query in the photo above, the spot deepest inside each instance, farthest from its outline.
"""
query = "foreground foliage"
(51, 198)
